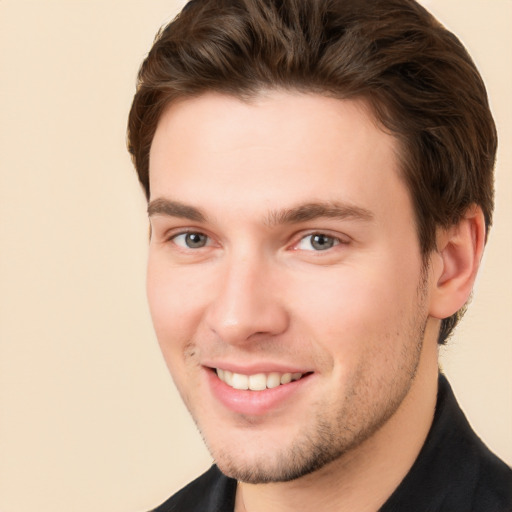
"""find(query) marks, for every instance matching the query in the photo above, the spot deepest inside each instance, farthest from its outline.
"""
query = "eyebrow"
(311, 211)
(301, 213)
(163, 206)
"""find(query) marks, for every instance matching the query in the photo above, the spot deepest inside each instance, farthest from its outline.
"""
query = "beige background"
(89, 419)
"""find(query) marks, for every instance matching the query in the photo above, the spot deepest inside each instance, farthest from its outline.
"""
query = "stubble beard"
(328, 439)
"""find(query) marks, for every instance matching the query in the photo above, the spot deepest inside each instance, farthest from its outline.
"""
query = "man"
(320, 187)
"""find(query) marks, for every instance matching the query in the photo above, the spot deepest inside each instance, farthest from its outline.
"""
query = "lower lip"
(257, 403)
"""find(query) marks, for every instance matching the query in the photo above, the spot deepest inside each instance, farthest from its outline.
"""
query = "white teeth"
(273, 380)
(228, 377)
(286, 378)
(240, 381)
(256, 382)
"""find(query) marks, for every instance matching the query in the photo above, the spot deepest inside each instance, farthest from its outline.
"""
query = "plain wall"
(89, 418)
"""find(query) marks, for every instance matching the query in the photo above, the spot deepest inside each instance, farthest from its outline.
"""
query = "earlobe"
(456, 262)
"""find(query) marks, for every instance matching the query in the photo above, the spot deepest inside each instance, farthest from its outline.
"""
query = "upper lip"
(257, 367)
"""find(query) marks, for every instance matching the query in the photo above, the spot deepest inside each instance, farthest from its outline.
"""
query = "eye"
(317, 242)
(191, 240)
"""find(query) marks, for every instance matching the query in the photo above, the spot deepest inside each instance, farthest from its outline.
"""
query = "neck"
(365, 477)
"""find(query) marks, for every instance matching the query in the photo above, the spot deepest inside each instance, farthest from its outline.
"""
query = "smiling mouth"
(258, 381)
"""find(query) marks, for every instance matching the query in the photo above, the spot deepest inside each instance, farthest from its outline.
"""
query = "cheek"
(175, 302)
(339, 298)
(353, 309)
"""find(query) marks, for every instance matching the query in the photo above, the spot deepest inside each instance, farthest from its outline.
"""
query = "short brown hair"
(416, 76)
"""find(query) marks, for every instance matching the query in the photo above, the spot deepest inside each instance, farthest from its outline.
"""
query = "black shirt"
(454, 472)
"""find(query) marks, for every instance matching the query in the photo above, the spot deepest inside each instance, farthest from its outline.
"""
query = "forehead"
(279, 147)
(220, 119)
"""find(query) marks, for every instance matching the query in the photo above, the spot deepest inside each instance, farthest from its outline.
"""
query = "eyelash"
(332, 241)
(189, 233)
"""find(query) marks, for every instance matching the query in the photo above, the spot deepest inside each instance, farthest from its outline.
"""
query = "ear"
(455, 263)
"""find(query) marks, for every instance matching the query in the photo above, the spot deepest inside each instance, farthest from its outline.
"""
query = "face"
(285, 279)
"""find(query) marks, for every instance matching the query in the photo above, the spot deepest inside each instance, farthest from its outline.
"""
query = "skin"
(361, 316)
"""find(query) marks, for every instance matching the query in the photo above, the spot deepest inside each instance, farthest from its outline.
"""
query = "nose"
(247, 304)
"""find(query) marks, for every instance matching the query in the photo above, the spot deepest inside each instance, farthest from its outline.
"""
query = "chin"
(306, 455)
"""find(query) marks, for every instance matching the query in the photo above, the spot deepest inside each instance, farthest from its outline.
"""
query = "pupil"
(322, 242)
(195, 240)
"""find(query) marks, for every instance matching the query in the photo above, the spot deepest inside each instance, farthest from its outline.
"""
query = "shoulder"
(483, 478)
(455, 471)
(493, 489)
(212, 491)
